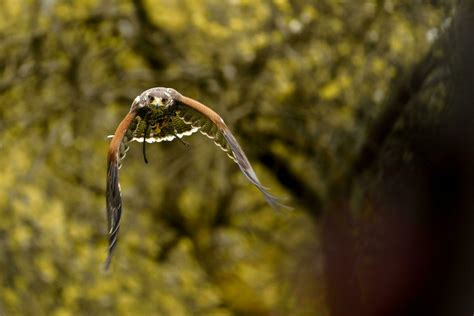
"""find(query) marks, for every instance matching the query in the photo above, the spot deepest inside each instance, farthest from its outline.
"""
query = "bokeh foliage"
(299, 82)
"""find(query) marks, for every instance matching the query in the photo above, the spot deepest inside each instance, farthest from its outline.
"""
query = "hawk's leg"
(181, 140)
(175, 133)
(144, 141)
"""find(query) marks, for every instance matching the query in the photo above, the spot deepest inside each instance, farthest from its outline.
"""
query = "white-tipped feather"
(168, 138)
(187, 133)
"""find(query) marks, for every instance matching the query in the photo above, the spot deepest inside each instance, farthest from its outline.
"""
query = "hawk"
(163, 114)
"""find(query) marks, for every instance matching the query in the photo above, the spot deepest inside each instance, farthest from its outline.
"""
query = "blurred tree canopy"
(312, 90)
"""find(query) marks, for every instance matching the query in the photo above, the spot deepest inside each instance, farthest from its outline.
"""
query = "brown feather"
(198, 106)
(113, 195)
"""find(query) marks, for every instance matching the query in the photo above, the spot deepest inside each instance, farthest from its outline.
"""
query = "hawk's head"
(155, 98)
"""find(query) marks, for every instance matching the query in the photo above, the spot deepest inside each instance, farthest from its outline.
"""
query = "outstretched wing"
(113, 195)
(212, 125)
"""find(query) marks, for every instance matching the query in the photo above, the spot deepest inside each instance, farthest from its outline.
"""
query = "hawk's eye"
(164, 100)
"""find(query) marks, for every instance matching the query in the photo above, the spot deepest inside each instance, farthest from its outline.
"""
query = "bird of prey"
(163, 114)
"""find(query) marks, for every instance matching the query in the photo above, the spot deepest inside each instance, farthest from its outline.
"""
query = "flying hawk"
(163, 114)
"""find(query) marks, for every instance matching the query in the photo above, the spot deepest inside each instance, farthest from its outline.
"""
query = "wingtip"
(111, 249)
(275, 202)
(247, 170)
(107, 263)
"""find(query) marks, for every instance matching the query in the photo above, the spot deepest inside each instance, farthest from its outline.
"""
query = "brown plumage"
(160, 114)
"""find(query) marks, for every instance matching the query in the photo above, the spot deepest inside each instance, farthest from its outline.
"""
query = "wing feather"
(212, 125)
(113, 193)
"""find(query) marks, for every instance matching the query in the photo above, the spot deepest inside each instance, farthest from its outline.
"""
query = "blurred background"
(358, 113)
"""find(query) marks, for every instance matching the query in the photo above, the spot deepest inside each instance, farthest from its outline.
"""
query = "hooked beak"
(157, 102)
